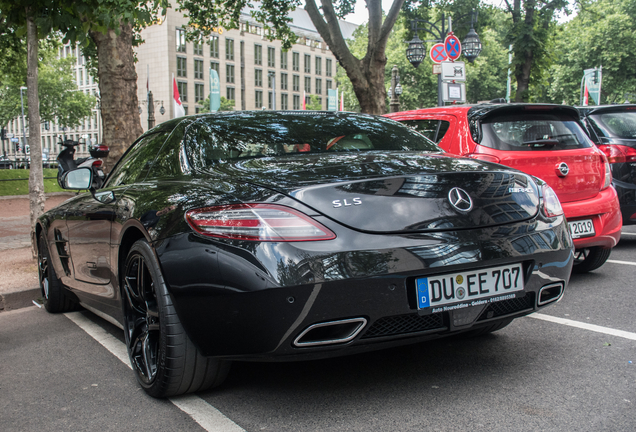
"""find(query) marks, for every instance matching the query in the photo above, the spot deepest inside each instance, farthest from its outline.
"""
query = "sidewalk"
(18, 270)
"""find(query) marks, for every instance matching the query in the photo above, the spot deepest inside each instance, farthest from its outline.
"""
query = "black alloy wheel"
(586, 260)
(165, 360)
(56, 297)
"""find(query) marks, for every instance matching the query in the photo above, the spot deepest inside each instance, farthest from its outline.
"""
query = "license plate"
(470, 288)
(581, 228)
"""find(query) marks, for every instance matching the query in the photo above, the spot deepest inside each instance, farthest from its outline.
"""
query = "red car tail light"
(618, 153)
(551, 204)
(484, 157)
(98, 163)
(257, 222)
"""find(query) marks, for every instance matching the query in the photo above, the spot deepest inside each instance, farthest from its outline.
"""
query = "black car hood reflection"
(410, 190)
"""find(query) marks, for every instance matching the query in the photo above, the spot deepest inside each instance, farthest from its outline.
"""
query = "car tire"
(487, 329)
(586, 260)
(165, 361)
(56, 297)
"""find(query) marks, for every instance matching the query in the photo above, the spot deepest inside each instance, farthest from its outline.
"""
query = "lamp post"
(272, 77)
(416, 51)
(151, 103)
(395, 91)
(24, 142)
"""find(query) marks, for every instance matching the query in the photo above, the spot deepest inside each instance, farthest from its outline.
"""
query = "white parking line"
(585, 326)
(208, 417)
(622, 262)
(626, 233)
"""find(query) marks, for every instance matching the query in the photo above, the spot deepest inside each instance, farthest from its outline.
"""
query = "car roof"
(588, 110)
(478, 112)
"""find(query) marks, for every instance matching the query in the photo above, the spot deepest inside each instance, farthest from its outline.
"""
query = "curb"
(18, 299)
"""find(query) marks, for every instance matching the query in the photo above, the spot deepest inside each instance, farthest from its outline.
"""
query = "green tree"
(314, 103)
(226, 105)
(602, 34)
(532, 31)
(365, 72)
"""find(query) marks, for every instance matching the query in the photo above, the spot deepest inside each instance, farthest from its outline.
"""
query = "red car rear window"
(533, 131)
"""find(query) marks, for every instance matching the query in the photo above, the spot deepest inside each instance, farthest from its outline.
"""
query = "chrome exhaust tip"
(550, 293)
(330, 333)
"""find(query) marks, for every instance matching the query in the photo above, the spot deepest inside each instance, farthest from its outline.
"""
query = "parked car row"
(302, 235)
(549, 142)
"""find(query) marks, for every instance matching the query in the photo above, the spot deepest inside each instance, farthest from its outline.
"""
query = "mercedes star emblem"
(460, 200)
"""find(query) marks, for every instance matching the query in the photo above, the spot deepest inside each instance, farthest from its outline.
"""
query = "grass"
(21, 186)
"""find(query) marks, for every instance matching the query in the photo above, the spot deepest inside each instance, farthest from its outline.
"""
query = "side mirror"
(79, 179)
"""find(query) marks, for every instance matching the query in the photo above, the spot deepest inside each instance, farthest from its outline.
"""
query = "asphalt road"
(575, 374)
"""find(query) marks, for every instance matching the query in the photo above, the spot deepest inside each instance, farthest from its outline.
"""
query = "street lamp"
(395, 91)
(24, 142)
(416, 51)
(272, 77)
(151, 103)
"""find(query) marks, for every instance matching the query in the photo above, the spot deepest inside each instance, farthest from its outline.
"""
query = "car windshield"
(218, 138)
(536, 131)
(616, 124)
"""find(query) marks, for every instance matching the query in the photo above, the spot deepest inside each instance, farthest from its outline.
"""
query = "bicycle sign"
(453, 47)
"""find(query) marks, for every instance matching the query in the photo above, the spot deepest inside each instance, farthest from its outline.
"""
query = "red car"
(547, 141)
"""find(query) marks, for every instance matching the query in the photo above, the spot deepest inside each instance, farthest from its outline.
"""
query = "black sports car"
(297, 235)
(613, 130)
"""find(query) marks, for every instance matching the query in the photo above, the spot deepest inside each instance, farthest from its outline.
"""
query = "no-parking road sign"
(438, 53)
(453, 47)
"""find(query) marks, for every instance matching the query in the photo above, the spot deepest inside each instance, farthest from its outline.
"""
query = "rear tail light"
(257, 222)
(551, 204)
(607, 180)
(97, 163)
(484, 157)
(618, 153)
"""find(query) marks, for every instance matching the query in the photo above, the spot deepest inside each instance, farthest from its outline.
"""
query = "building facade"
(254, 73)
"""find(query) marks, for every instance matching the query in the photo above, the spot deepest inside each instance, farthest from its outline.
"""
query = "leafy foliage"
(226, 105)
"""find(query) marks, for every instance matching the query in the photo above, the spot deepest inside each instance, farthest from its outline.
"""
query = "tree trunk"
(366, 75)
(118, 91)
(36, 177)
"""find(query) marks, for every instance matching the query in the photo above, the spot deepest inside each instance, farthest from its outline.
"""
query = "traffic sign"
(438, 53)
(9, 135)
(15, 140)
(454, 71)
(453, 92)
(453, 47)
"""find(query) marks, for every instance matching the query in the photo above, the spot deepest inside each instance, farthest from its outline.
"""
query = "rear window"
(213, 139)
(616, 125)
(431, 129)
(533, 131)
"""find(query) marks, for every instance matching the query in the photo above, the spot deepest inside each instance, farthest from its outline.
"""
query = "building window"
(269, 100)
(181, 67)
(328, 67)
(328, 84)
(283, 101)
(318, 86)
(229, 73)
(198, 69)
(229, 49)
(296, 61)
(215, 65)
(283, 59)
(296, 83)
(307, 84)
(185, 109)
(197, 47)
(258, 99)
(283, 81)
(296, 105)
(230, 94)
(318, 66)
(271, 79)
(307, 63)
(199, 92)
(271, 57)
(214, 47)
(183, 90)
(181, 41)
(258, 77)
(258, 54)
